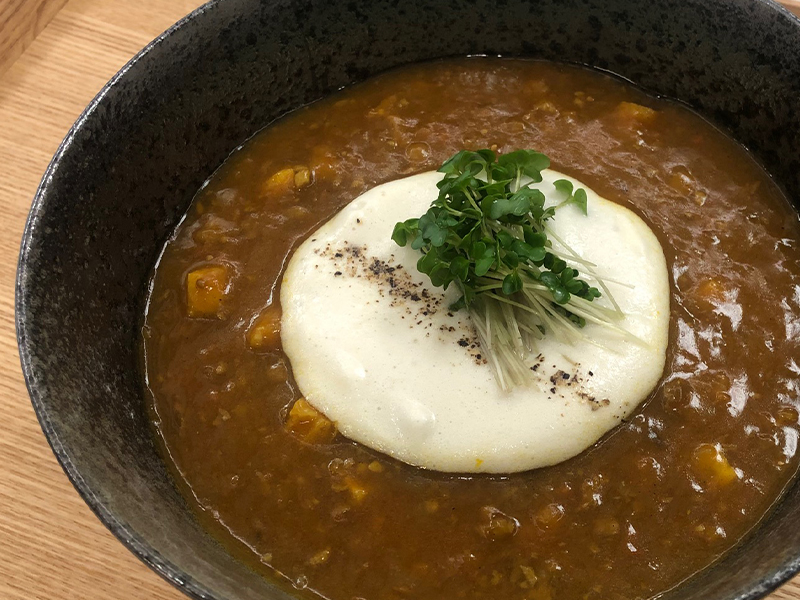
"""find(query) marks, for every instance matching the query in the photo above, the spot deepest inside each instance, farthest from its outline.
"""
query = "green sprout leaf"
(400, 234)
(484, 261)
(459, 267)
(515, 205)
(564, 186)
(487, 234)
(525, 162)
(512, 283)
(578, 198)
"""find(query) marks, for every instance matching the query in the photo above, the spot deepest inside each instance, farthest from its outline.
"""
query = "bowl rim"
(130, 538)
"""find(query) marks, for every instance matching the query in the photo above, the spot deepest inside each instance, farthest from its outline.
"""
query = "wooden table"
(51, 545)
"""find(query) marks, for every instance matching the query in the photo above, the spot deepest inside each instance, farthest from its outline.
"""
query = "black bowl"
(129, 167)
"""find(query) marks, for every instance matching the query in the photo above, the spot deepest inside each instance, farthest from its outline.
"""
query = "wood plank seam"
(20, 22)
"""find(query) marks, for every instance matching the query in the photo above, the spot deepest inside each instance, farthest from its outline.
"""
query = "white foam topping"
(374, 347)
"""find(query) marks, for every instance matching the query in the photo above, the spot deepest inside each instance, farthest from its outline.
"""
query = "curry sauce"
(659, 498)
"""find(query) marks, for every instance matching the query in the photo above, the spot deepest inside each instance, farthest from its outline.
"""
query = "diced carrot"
(302, 176)
(280, 181)
(310, 425)
(323, 162)
(356, 489)
(266, 330)
(712, 466)
(635, 112)
(206, 288)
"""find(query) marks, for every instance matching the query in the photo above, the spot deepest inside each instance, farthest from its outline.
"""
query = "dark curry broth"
(661, 497)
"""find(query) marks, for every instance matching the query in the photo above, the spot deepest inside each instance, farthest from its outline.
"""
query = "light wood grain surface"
(20, 22)
(51, 545)
(792, 5)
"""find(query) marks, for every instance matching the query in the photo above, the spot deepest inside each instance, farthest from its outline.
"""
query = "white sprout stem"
(576, 257)
(567, 329)
(607, 279)
(485, 339)
(547, 317)
(569, 258)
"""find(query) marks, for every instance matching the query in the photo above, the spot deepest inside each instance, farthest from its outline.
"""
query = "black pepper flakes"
(402, 291)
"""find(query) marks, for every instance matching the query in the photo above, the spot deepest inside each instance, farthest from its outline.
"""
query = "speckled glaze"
(129, 167)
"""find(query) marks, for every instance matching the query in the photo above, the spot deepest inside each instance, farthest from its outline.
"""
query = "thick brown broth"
(659, 498)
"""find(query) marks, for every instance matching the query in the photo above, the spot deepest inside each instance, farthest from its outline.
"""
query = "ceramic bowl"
(129, 167)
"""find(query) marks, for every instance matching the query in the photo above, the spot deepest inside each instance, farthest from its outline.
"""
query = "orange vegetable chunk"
(206, 288)
(266, 330)
(310, 425)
